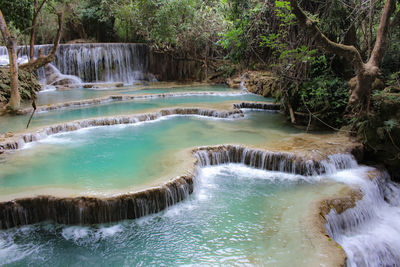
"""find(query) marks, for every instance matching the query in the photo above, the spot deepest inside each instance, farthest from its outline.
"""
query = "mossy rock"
(263, 83)
(380, 132)
(28, 85)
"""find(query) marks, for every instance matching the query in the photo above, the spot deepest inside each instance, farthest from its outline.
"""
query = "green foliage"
(185, 25)
(287, 56)
(283, 12)
(324, 94)
(246, 21)
(98, 19)
(17, 13)
(228, 70)
(394, 79)
(28, 85)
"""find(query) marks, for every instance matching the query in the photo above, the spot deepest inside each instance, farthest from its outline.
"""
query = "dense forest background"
(230, 37)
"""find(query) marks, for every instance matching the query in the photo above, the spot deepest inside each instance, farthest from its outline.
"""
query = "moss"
(28, 85)
(380, 131)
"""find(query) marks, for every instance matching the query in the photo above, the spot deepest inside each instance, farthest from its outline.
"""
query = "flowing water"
(18, 123)
(117, 62)
(52, 97)
(370, 232)
(236, 216)
(94, 160)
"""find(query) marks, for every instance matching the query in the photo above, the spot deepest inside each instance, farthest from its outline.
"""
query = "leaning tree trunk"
(11, 44)
(15, 98)
(366, 73)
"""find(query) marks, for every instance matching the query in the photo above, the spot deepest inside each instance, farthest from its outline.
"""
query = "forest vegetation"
(337, 61)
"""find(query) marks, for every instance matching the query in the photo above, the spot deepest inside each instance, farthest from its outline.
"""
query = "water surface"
(52, 97)
(117, 157)
(236, 216)
(18, 123)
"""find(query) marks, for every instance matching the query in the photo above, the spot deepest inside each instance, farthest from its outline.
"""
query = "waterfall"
(90, 210)
(369, 232)
(95, 62)
(242, 85)
(273, 161)
(257, 106)
(55, 78)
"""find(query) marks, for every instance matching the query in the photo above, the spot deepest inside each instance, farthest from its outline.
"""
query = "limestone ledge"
(17, 141)
(94, 210)
(118, 98)
(91, 210)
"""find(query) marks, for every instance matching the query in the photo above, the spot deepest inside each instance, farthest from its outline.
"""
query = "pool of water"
(94, 160)
(18, 123)
(52, 97)
(236, 216)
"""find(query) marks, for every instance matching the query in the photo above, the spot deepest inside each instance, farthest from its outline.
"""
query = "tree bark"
(11, 44)
(43, 60)
(366, 73)
(36, 11)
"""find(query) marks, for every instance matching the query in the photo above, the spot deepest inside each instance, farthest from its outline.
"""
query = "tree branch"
(3, 28)
(11, 44)
(43, 60)
(381, 36)
(36, 12)
(323, 42)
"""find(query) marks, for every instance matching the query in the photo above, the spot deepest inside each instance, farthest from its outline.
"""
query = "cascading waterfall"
(89, 210)
(369, 233)
(242, 85)
(54, 77)
(273, 161)
(114, 62)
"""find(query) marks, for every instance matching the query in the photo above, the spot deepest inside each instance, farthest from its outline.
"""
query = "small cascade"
(242, 85)
(369, 233)
(55, 78)
(116, 98)
(116, 62)
(90, 210)
(258, 106)
(272, 161)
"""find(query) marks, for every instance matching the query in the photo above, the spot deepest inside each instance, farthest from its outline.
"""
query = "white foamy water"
(116, 62)
(370, 232)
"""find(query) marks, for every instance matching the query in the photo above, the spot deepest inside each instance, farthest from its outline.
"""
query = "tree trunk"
(11, 44)
(15, 99)
(366, 73)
